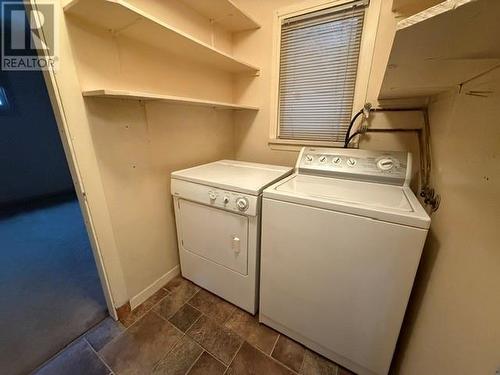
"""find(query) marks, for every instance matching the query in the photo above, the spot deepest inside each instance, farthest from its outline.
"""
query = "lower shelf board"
(145, 96)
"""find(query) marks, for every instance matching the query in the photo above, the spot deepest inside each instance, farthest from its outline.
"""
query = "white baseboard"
(154, 287)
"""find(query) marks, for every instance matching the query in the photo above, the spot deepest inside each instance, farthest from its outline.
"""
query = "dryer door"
(217, 235)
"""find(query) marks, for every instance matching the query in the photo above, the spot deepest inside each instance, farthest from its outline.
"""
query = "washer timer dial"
(385, 164)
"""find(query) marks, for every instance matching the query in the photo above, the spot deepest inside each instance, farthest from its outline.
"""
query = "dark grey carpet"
(49, 287)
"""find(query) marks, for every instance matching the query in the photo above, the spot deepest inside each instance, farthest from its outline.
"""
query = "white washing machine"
(341, 242)
(217, 213)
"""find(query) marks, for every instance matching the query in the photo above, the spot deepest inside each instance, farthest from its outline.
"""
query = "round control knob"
(226, 200)
(212, 195)
(309, 158)
(337, 160)
(322, 159)
(385, 164)
(351, 162)
(242, 203)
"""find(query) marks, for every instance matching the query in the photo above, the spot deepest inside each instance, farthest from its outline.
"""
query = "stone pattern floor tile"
(250, 361)
(103, 333)
(142, 309)
(139, 349)
(212, 306)
(289, 352)
(315, 364)
(76, 359)
(184, 329)
(207, 365)
(182, 287)
(170, 304)
(220, 341)
(180, 359)
(248, 327)
(185, 317)
(180, 292)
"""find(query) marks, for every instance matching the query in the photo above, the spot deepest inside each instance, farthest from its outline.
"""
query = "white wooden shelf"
(137, 95)
(402, 5)
(122, 18)
(224, 13)
(442, 47)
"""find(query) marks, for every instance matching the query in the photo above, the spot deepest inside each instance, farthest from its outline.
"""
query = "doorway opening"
(49, 284)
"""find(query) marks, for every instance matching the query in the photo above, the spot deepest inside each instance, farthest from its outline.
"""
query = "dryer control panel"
(228, 200)
(389, 167)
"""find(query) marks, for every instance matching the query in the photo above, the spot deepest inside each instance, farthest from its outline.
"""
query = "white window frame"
(368, 36)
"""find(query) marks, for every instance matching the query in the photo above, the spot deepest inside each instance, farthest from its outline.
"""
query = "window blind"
(318, 66)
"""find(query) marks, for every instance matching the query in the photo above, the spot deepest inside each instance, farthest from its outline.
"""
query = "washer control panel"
(220, 198)
(390, 167)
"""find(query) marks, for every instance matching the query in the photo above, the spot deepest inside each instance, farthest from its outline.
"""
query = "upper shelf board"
(137, 95)
(442, 47)
(224, 13)
(403, 5)
(122, 18)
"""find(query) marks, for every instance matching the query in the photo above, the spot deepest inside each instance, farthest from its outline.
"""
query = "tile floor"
(49, 278)
(184, 329)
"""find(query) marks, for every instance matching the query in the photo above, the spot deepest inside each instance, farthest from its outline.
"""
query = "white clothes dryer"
(217, 213)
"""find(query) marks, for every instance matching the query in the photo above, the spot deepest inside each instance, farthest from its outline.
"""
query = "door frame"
(74, 129)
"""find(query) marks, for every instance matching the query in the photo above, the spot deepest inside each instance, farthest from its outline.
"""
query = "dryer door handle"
(236, 245)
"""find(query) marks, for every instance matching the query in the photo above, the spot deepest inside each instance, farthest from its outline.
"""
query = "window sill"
(296, 145)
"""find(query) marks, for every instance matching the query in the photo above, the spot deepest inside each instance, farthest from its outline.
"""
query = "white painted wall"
(137, 147)
(453, 325)
(138, 144)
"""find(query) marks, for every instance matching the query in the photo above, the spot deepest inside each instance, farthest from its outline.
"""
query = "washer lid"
(391, 203)
(243, 177)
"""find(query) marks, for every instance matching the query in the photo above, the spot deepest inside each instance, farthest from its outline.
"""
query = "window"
(318, 64)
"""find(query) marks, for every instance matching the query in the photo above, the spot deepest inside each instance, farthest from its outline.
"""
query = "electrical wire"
(347, 135)
(352, 136)
(367, 108)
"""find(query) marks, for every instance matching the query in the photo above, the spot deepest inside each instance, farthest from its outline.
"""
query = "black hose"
(350, 138)
(347, 136)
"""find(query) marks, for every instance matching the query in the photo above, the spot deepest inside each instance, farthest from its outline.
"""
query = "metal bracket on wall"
(431, 198)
